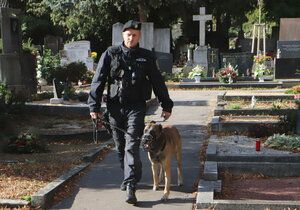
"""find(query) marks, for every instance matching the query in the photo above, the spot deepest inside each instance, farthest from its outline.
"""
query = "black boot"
(130, 194)
(123, 187)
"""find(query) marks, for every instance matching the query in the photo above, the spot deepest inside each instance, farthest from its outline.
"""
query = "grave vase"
(197, 79)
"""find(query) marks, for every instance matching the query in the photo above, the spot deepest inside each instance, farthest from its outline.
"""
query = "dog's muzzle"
(147, 140)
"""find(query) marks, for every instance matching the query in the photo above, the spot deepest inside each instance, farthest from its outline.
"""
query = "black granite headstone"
(213, 58)
(243, 61)
(288, 49)
(164, 61)
(287, 68)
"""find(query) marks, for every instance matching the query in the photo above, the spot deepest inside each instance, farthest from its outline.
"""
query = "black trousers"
(129, 117)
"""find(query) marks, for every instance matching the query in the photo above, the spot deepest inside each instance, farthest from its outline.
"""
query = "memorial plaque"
(287, 68)
(288, 49)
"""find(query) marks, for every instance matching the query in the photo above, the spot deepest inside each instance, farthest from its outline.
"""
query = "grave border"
(208, 186)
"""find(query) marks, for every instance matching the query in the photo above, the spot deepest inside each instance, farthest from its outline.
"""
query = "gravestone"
(288, 49)
(54, 43)
(11, 30)
(208, 58)
(243, 61)
(162, 48)
(164, 61)
(162, 40)
(77, 51)
(10, 65)
(287, 68)
(117, 34)
(289, 29)
(201, 52)
(245, 45)
(287, 63)
(213, 61)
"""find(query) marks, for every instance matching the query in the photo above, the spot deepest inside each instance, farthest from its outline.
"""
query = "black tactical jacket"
(129, 74)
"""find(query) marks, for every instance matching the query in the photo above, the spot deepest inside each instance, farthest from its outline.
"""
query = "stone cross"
(212, 56)
(202, 18)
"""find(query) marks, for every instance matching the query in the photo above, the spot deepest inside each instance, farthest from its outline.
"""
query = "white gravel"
(242, 145)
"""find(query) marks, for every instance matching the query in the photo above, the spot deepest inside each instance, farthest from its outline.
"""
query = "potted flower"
(228, 74)
(196, 73)
(260, 71)
(260, 67)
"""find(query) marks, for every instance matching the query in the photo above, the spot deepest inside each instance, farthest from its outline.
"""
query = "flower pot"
(197, 79)
(261, 79)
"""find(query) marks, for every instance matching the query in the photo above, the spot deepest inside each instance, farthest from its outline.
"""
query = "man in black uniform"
(131, 73)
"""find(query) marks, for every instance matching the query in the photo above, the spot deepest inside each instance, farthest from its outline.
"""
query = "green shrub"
(29, 47)
(42, 96)
(283, 142)
(235, 106)
(293, 90)
(47, 65)
(170, 77)
(25, 143)
(71, 72)
(88, 77)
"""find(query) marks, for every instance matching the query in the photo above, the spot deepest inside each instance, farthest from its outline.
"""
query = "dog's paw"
(165, 197)
(155, 188)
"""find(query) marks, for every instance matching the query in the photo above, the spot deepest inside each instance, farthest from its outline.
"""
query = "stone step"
(210, 171)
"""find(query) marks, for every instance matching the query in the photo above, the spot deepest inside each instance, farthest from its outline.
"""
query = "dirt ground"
(22, 175)
(257, 186)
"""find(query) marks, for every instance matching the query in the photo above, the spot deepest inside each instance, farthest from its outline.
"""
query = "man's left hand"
(165, 115)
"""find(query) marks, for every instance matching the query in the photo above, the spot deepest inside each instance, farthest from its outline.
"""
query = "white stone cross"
(202, 18)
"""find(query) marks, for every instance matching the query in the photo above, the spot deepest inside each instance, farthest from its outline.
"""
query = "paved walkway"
(99, 187)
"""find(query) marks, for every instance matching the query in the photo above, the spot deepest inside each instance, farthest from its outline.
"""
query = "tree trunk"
(143, 13)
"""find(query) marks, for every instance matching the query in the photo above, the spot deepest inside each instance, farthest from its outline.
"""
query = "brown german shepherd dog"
(162, 142)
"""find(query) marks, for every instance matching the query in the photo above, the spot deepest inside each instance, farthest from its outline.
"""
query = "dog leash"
(95, 130)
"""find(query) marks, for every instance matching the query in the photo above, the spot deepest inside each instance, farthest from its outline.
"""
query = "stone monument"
(78, 51)
(204, 56)
(287, 63)
(10, 65)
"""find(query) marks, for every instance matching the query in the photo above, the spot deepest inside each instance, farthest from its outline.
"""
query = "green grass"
(283, 142)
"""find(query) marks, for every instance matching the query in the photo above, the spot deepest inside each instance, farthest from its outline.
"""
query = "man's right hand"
(96, 115)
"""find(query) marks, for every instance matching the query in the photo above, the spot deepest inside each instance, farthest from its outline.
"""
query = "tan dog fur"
(162, 158)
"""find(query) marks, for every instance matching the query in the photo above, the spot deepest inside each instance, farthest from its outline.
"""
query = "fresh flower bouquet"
(196, 71)
(260, 68)
(228, 74)
(261, 58)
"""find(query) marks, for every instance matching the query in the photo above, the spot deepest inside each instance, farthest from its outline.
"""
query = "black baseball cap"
(132, 24)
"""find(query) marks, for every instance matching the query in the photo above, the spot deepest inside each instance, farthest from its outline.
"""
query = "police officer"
(130, 73)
